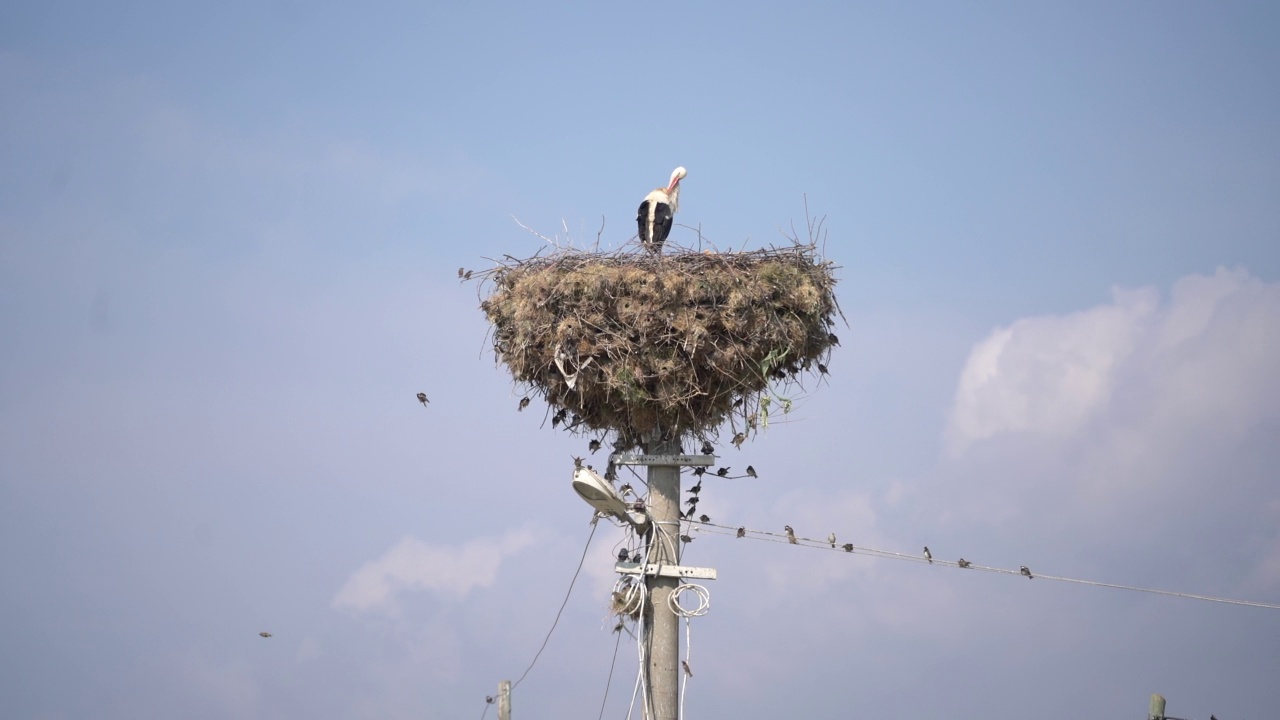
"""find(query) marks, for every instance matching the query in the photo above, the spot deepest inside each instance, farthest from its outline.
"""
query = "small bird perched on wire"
(751, 472)
(422, 398)
(963, 563)
(742, 532)
(832, 539)
(657, 210)
(722, 471)
(848, 547)
(1026, 571)
(687, 671)
(791, 534)
(686, 538)
(928, 555)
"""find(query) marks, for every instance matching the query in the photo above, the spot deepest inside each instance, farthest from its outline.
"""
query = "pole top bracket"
(679, 460)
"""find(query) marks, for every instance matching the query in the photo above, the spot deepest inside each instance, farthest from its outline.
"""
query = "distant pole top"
(1156, 710)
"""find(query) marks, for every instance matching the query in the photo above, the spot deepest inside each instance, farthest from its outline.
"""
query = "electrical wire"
(609, 682)
(768, 536)
(567, 593)
(704, 604)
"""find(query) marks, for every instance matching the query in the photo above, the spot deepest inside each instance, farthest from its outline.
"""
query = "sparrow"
(722, 471)
(625, 489)
(524, 403)
(265, 634)
(422, 398)
(686, 538)
(751, 472)
(636, 558)
(963, 563)
(832, 539)
(739, 439)
(704, 518)
(594, 445)
(466, 275)
(461, 272)
(692, 501)
(832, 337)
(708, 448)
(848, 547)
(622, 555)
(791, 534)
(559, 417)
(687, 671)
(928, 555)
(1026, 571)
(689, 514)
(822, 368)
(742, 532)
(697, 472)
(488, 699)
(697, 488)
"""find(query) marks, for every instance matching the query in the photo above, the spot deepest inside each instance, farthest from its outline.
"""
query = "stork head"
(676, 176)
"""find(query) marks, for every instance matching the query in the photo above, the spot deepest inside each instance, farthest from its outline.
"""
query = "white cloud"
(451, 571)
(1204, 354)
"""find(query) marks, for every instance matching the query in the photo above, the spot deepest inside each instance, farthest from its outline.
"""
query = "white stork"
(657, 210)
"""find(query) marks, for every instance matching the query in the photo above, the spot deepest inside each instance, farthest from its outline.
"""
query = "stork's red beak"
(673, 184)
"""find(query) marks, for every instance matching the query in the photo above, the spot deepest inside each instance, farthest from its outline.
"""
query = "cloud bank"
(450, 571)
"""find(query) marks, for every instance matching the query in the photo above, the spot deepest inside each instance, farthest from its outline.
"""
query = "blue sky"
(228, 245)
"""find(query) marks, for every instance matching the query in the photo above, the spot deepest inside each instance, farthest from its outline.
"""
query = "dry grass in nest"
(665, 346)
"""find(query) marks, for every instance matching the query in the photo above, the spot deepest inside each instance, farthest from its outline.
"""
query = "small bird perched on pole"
(657, 210)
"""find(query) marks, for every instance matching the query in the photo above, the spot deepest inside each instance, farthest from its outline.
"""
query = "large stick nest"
(662, 346)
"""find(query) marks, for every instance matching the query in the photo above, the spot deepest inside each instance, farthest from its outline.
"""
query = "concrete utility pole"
(1155, 709)
(504, 700)
(663, 641)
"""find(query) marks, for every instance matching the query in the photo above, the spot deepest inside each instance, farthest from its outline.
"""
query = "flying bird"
(594, 445)
(963, 563)
(742, 532)
(751, 472)
(422, 398)
(265, 634)
(1026, 571)
(657, 210)
(928, 555)
(832, 539)
(791, 534)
